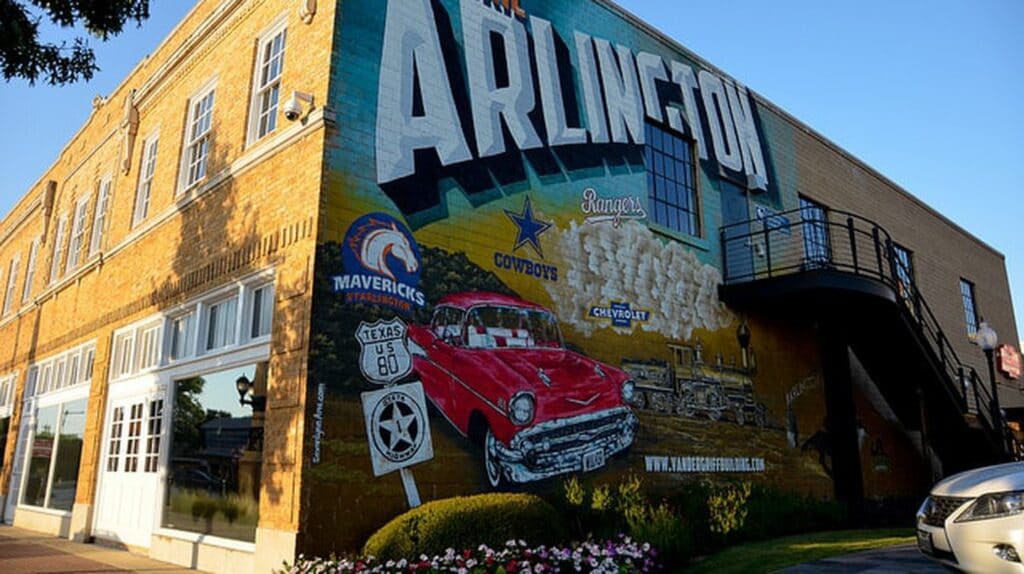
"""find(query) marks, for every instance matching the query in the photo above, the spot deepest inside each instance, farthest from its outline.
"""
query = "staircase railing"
(813, 239)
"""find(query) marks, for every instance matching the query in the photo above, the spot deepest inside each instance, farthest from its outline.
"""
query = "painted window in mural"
(817, 246)
(671, 181)
(970, 307)
(216, 455)
(54, 459)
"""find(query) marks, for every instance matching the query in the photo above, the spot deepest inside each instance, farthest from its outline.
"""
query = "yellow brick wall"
(262, 213)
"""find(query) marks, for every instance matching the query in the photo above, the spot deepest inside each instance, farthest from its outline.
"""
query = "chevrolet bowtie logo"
(586, 402)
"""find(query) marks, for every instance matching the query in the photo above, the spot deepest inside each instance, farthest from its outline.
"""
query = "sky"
(928, 92)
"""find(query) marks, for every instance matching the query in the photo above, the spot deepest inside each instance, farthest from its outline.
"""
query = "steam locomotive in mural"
(691, 387)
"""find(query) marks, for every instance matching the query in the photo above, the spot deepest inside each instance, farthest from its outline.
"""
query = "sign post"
(396, 415)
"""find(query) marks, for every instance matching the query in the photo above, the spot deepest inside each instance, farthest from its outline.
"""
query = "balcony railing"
(810, 240)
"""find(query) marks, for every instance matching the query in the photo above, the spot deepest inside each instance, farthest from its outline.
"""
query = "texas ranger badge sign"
(384, 354)
(397, 426)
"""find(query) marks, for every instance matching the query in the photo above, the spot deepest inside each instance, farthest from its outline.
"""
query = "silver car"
(974, 521)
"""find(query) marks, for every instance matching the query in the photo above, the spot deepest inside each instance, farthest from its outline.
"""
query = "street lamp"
(245, 387)
(987, 339)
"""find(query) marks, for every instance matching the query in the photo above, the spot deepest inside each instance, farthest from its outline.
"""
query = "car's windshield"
(501, 327)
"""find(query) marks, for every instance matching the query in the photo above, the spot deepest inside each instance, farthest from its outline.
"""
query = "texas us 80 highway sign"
(397, 426)
(383, 351)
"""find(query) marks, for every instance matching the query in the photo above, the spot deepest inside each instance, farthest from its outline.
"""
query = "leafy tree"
(23, 54)
(188, 415)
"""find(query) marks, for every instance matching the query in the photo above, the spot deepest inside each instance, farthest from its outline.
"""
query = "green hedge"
(467, 522)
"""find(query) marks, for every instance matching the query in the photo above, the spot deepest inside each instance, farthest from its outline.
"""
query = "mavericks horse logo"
(380, 244)
(382, 264)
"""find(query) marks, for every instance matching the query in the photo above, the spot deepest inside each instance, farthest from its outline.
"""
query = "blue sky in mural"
(926, 91)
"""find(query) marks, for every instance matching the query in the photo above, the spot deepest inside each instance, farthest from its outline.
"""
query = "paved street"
(25, 552)
(896, 560)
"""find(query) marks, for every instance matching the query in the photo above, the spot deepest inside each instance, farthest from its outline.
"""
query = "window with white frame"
(182, 336)
(221, 323)
(267, 82)
(12, 280)
(147, 167)
(65, 370)
(261, 310)
(149, 347)
(99, 217)
(58, 248)
(198, 127)
(77, 235)
(7, 383)
(30, 270)
(124, 351)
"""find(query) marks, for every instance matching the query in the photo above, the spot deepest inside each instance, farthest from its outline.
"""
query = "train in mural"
(691, 387)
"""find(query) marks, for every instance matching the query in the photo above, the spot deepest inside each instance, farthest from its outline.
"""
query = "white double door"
(129, 502)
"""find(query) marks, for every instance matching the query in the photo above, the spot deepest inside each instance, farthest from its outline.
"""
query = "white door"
(128, 506)
(18, 466)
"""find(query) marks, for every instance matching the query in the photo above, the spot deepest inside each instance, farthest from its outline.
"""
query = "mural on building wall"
(490, 195)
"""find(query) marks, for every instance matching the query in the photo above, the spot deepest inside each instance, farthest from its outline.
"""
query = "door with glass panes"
(129, 489)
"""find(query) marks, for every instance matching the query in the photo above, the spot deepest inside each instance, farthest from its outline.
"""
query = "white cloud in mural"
(602, 263)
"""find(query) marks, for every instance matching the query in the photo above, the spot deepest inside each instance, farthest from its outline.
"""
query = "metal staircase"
(834, 254)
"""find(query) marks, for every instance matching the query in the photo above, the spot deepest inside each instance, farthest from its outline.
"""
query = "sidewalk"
(27, 552)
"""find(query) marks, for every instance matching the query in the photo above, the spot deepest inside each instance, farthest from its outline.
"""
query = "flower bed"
(612, 556)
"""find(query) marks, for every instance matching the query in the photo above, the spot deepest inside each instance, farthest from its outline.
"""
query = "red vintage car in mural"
(497, 369)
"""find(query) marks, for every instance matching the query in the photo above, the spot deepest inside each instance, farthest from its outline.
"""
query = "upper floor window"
(903, 259)
(12, 278)
(671, 181)
(970, 307)
(146, 169)
(99, 217)
(814, 224)
(267, 82)
(77, 234)
(30, 270)
(58, 248)
(198, 128)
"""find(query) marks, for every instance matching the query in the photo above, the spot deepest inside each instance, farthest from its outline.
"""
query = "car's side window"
(447, 325)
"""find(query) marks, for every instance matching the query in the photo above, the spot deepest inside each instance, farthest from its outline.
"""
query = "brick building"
(537, 216)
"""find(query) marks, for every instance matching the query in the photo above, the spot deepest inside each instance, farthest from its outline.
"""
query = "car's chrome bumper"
(968, 546)
(579, 443)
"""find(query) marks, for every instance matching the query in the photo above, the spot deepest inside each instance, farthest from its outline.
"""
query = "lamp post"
(987, 340)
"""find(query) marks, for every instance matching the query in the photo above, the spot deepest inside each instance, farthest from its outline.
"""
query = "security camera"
(293, 109)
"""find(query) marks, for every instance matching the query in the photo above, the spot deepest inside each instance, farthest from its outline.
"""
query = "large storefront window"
(216, 456)
(55, 456)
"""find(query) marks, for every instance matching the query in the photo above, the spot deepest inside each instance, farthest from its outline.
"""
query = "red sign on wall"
(1008, 361)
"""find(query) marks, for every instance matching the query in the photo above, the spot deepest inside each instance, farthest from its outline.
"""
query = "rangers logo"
(382, 264)
(384, 353)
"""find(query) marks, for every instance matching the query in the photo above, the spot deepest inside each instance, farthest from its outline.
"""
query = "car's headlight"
(996, 505)
(628, 391)
(521, 409)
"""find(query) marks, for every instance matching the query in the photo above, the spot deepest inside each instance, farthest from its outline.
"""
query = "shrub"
(665, 531)
(467, 522)
(727, 511)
